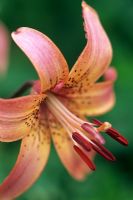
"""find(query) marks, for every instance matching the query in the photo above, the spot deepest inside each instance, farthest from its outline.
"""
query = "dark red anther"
(122, 140)
(113, 133)
(81, 141)
(116, 136)
(105, 152)
(84, 157)
(102, 153)
(97, 122)
(95, 146)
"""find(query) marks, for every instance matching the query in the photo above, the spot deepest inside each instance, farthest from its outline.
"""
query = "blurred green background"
(61, 20)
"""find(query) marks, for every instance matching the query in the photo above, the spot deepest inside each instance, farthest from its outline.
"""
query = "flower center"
(85, 135)
(70, 121)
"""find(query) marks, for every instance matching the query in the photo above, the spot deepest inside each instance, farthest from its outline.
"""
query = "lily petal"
(64, 147)
(91, 90)
(94, 100)
(50, 64)
(17, 116)
(4, 48)
(97, 54)
(31, 160)
(97, 101)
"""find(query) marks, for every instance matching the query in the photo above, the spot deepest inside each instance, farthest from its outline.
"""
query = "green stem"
(27, 85)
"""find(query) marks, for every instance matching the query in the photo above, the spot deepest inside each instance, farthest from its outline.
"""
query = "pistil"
(112, 133)
(93, 131)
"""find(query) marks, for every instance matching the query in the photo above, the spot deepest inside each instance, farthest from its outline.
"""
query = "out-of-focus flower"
(58, 105)
(4, 48)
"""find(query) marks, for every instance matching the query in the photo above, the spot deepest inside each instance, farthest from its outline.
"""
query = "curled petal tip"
(111, 74)
(86, 7)
(83, 4)
(16, 32)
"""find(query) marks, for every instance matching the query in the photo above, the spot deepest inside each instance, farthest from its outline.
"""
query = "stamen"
(76, 127)
(93, 131)
(63, 110)
(97, 122)
(84, 158)
(95, 145)
(105, 153)
(112, 133)
(116, 136)
(81, 141)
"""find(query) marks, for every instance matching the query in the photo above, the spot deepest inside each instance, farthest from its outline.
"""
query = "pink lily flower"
(4, 48)
(57, 106)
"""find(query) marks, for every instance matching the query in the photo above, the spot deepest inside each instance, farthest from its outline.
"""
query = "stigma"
(86, 136)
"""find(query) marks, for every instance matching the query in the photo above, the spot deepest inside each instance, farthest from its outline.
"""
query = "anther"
(103, 151)
(116, 136)
(84, 157)
(81, 141)
(97, 122)
(95, 145)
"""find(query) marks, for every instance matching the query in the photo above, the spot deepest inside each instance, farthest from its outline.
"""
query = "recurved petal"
(48, 61)
(97, 54)
(93, 100)
(64, 147)
(17, 116)
(31, 160)
(99, 99)
(97, 89)
(4, 48)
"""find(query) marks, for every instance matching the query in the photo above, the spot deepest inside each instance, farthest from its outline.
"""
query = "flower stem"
(27, 85)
